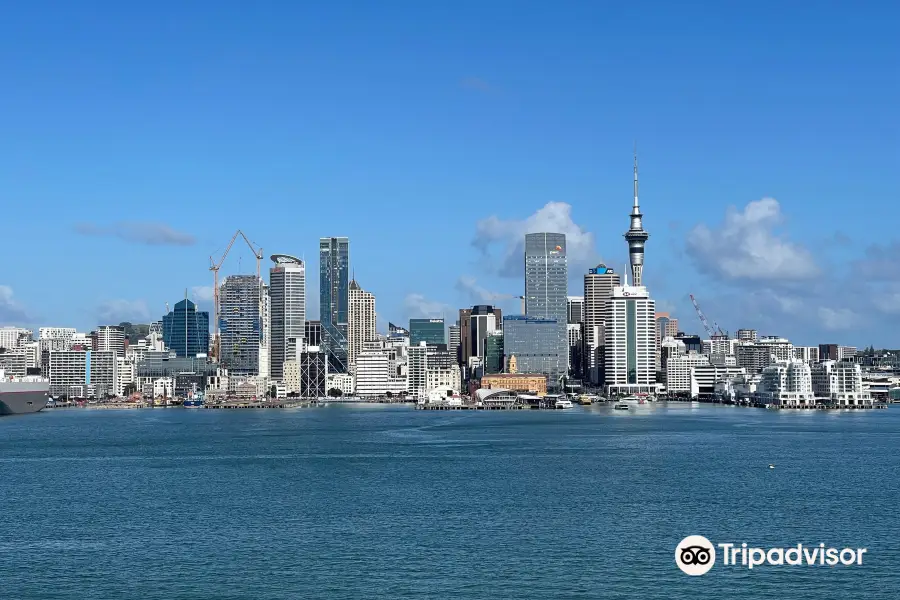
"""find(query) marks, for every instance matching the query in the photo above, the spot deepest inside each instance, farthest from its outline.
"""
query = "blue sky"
(137, 139)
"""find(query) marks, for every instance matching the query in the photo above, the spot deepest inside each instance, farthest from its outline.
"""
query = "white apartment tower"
(14, 337)
(787, 383)
(840, 384)
(111, 338)
(287, 311)
(360, 322)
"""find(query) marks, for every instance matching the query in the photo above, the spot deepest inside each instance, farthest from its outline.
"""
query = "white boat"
(621, 406)
(632, 400)
(562, 403)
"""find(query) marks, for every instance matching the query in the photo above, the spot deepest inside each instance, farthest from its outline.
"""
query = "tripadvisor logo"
(696, 555)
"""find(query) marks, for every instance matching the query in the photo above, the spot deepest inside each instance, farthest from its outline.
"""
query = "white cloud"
(477, 294)
(11, 312)
(150, 233)
(112, 312)
(202, 293)
(745, 246)
(418, 306)
(887, 302)
(838, 319)
(509, 235)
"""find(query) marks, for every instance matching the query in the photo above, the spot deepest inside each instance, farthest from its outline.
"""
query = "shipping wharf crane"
(714, 334)
(214, 267)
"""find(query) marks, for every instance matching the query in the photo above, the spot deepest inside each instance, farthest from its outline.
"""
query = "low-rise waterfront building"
(531, 383)
(679, 371)
(840, 384)
(787, 384)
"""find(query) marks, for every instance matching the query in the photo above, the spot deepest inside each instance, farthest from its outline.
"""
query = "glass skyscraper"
(241, 324)
(546, 283)
(334, 299)
(186, 330)
(430, 331)
(534, 343)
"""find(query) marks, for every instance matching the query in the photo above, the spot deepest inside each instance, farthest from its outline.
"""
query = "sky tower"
(636, 236)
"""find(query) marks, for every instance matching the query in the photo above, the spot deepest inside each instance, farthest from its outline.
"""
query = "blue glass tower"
(186, 330)
(334, 299)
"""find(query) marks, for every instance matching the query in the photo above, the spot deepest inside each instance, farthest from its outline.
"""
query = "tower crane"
(214, 267)
(709, 330)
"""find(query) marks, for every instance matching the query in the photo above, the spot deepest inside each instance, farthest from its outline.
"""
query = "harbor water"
(386, 502)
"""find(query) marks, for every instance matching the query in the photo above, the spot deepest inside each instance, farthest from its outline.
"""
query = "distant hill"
(135, 331)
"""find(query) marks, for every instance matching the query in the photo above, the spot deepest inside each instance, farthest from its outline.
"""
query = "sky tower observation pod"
(285, 259)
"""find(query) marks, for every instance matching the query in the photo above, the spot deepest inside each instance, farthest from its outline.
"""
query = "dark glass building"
(185, 329)
(313, 333)
(334, 299)
(535, 344)
(493, 353)
(430, 331)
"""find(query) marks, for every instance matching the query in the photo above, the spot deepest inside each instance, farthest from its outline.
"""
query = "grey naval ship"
(21, 395)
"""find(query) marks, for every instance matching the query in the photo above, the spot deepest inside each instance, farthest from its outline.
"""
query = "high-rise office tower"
(334, 299)
(313, 335)
(430, 331)
(530, 342)
(630, 341)
(453, 341)
(598, 285)
(287, 311)
(474, 326)
(360, 322)
(242, 324)
(546, 280)
(666, 326)
(185, 330)
(575, 309)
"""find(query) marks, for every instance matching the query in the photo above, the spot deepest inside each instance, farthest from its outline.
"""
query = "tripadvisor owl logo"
(695, 555)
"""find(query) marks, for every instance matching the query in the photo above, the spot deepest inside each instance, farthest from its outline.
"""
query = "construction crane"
(709, 330)
(214, 267)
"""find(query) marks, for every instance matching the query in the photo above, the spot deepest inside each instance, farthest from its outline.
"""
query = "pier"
(471, 407)
(239, 404)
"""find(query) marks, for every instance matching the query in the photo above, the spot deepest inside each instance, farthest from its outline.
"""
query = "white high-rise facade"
(630, 341)
(598, 285)
(360, 322)
(287, 311)
(111, 338)
(13, 337)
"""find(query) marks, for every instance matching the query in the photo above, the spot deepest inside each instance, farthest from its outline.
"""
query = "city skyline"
(742, 184)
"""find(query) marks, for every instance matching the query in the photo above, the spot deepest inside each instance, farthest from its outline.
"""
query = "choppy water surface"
(388, 502)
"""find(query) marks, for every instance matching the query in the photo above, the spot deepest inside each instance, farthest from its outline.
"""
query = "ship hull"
(24, 402)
